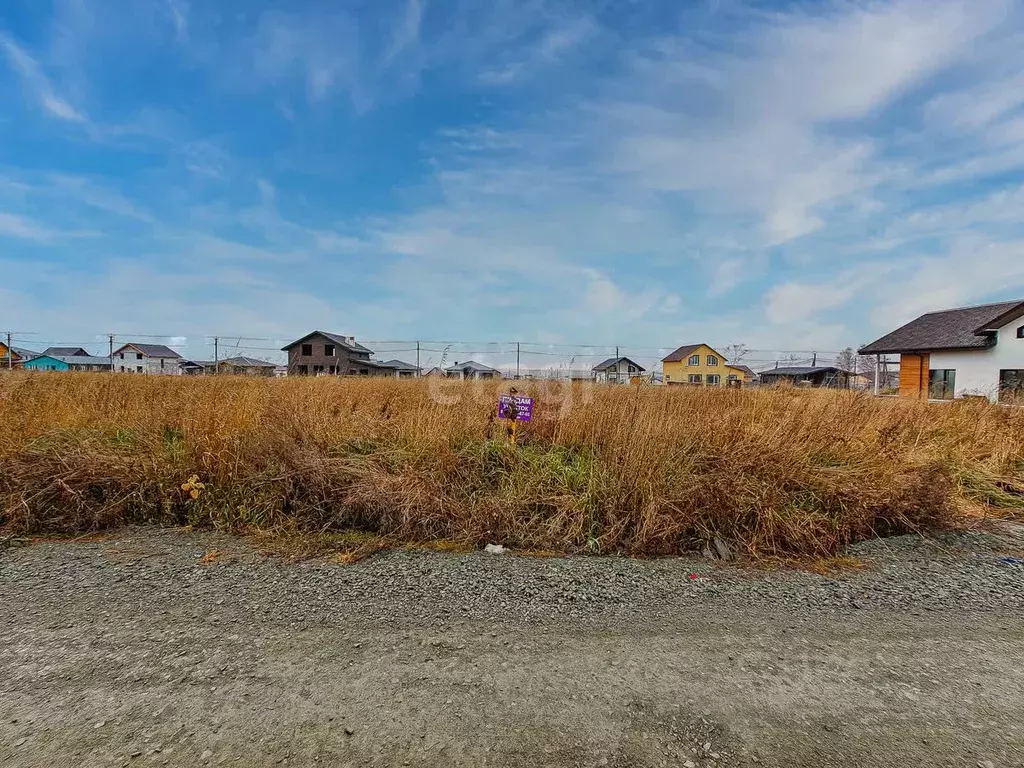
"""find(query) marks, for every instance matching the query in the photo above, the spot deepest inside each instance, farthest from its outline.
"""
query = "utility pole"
(216, 355)
(10, 353)
(814, 360)
(419, 371)
(110, 339)
(517, 359)
(878, 371)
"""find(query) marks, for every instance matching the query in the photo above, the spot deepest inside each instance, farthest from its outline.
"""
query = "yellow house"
(699, 365)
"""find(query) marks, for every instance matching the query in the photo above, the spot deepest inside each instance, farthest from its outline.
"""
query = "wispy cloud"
(37, 83)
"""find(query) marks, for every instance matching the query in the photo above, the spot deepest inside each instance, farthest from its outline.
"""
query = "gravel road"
(157, 647)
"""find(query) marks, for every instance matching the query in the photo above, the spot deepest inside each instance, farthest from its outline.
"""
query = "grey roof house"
(823, 376)
(472, 370)
(967, 351)
(617, 370)
(246, 366)
(65, 352)
(135, 357)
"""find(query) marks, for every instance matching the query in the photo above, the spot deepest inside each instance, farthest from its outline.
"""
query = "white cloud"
(13, 225)
(37, 83)
(753, 127)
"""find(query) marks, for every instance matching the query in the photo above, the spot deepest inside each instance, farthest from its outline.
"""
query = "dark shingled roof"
(150, 350)
(800, 370)
(743, 368)
(348, 342)
(963, 328)
(682, 353)
(65, 352)
(247, 362)
(398, 365)
(612, 362)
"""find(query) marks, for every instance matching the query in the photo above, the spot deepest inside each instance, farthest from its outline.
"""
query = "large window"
(307, 350)
(1011, 384)
(714, 380)
(694, 360)
(328, 350)
(941, 383)
(695, 378)
(1020, 332)
(712, 360)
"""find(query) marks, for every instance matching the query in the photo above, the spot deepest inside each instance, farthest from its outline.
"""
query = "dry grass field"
(645, 471)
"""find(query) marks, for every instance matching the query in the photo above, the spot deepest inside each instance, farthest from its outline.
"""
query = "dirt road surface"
(153, 647)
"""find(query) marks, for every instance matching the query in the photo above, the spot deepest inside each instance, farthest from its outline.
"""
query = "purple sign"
(517, 406)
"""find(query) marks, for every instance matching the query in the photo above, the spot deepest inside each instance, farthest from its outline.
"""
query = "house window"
(138, 369)
(694, 360)
(303, 370)
(695, 378)
(1011, 384)
(122, 357)
(138, 355)
(161, 363)
(122, 367)
(328, 350)
(307, 350)
(1020, 332)
(632, 369)
(941, 383)
(332, 370)
(714, 380)
(712, 360)
(317, 370)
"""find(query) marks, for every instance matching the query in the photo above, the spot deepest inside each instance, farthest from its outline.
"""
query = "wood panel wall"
(914, 376)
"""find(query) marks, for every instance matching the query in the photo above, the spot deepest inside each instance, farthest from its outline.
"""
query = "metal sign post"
(514, 408)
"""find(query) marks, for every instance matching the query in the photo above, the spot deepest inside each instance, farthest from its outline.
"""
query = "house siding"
(619, 373)
(914, 376)
(977, 370)
(680, 372)
(46, 364)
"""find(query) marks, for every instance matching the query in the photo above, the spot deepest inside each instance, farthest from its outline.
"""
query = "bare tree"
(847, 360)
(735, 353)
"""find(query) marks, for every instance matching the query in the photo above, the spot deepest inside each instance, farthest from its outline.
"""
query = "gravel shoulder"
(142, 648)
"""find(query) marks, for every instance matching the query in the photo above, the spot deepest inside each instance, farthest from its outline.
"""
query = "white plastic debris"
(494, 549)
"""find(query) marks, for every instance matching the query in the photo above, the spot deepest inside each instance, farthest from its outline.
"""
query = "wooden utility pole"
(10, 353)
(517, 359)
(419, 371)
(216, 355)
(110, 340)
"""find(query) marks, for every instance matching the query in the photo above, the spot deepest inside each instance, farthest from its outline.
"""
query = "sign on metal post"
(514, 408)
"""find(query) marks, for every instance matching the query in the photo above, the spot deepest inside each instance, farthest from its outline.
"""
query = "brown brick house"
(320, 353)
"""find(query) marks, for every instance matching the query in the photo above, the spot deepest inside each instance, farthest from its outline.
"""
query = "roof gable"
(613, 362)
(685, 351)
(247, 362)
(348, 342)
(65, 352)
(961, 328)
(149, 350)
(471, 365)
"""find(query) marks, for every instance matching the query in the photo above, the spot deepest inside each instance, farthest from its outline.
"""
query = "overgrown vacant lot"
(643, 471)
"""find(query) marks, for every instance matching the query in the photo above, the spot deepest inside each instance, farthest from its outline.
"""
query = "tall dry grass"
(601, 469)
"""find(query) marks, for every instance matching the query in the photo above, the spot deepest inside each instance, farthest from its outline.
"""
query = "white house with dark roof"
(959, 352)
(617, 370)
(147, 358)
(472, 370)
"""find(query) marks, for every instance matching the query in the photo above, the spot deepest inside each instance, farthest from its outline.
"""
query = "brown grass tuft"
(645, 471)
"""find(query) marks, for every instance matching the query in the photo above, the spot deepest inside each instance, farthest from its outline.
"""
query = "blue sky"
(783, 175)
